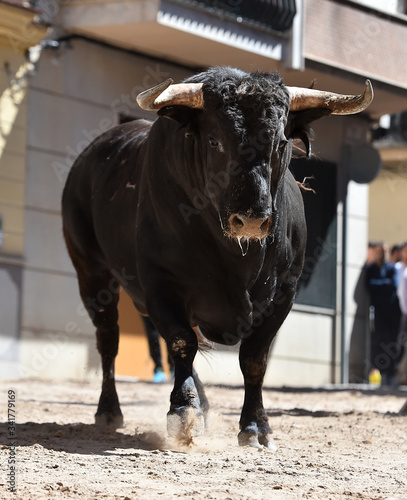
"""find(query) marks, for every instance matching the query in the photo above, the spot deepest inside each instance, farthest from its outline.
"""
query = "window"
(317, 285)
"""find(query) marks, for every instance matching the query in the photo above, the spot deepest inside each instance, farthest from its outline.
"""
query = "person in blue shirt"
(382, 282)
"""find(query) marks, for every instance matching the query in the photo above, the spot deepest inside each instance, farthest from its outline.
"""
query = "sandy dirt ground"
(331, 444)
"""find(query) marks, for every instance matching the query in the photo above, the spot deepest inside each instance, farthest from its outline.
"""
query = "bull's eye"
(215, 144)
(188, 135)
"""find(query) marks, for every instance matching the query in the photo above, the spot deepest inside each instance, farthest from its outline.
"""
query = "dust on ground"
(331, 444)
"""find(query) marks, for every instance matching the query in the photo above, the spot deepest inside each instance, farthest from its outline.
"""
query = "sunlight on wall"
(10, 101)
(13, 89)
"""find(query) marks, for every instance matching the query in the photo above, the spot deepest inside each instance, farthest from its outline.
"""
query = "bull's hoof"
(109, 420)
(185, 423)
(256, 438)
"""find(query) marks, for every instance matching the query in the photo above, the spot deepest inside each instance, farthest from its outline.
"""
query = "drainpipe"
(295, 55)
(343, 187)
(344, 352)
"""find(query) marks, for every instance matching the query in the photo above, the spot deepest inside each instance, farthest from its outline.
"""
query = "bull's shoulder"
(112, 151)
(109, 161)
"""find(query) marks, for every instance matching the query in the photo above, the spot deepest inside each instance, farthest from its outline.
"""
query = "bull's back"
(91, 196)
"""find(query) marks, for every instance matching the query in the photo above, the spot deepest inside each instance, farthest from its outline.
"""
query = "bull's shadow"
(294, 412)
(86, 439)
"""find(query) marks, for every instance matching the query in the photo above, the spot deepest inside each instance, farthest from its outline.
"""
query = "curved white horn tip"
(369, 88)
(154, 91)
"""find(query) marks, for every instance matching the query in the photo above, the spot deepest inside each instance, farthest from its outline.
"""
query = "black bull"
(199, 219)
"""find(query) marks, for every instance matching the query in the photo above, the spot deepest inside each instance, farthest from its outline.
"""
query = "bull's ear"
(181, 114)
(298, 125)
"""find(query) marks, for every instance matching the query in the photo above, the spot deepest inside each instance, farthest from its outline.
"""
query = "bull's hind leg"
(100, 296)
(107, 337)
(99, 291)
(204, 403)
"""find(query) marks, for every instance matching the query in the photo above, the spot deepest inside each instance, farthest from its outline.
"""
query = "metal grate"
(275, 14)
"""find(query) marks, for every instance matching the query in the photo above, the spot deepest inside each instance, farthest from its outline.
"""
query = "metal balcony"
(277, 15)
(199, 33)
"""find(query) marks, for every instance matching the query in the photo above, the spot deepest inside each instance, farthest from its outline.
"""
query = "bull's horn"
(339, 104)
(166, 94)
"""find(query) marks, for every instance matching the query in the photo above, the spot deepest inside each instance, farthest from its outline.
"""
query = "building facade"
(99, 56)
(19, 30)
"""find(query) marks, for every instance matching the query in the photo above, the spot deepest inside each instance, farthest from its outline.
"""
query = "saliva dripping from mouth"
(244, 243)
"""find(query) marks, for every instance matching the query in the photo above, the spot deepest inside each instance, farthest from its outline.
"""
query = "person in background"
(401, 267)
(395, 253)
(153, 338)
(381, 282)
(370, 253)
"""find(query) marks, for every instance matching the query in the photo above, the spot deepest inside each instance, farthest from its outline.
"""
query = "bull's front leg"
(253, 356)
(187, 414)
(185, 418)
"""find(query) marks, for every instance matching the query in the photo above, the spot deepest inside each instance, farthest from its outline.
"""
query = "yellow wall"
(12, 149)
(388, 206)
(18, 32)
(134, 359)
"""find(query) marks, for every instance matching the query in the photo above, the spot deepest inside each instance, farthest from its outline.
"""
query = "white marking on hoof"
(270, 444)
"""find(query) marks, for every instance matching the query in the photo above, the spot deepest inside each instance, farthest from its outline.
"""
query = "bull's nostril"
(248, 226)
(237, 222)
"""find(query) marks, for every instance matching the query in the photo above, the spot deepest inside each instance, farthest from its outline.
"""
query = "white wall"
(301, 355)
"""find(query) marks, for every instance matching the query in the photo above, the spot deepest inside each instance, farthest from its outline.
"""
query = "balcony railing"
(277, 15)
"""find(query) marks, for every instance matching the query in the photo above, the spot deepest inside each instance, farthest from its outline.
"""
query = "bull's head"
(242, 126)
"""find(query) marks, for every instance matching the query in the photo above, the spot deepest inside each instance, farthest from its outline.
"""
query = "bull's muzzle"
(249, 227)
